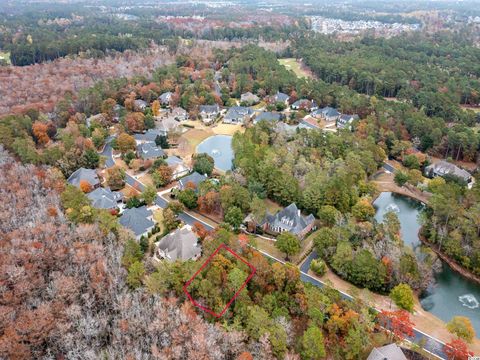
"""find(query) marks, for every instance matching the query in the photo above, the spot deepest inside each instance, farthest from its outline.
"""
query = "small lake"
(452, 295)
(219, 147)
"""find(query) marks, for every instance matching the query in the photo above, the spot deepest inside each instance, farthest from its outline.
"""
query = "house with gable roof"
(181, 244)
(327, 113)
(83, 174)
(194, 178)
(179, 168)
(289, 219)
(149, 150)
(249, 98)
(238, 115)
(165, 98)
(104, 198)
(138, 220)
(209, 113)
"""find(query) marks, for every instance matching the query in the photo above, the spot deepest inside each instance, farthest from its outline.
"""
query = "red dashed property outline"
(211, 312)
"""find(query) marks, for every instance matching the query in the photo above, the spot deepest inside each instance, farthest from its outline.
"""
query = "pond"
(452, 295)
(219, 147)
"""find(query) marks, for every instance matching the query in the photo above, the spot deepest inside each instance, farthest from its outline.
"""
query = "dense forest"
(433, 73)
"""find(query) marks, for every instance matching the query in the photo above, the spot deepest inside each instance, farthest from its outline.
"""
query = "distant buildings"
(336, 26)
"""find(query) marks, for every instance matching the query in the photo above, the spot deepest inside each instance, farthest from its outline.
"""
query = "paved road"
(130, 180)
(389, 167)
(432, 345)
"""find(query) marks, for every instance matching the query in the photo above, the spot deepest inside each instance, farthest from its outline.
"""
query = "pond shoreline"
(450, 262)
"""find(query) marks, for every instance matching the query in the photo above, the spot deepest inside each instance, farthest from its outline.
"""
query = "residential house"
(194, 178)
(387, 352)
(140, 105)
(267, 116)
(104, 198)
(149, 136)
(168, 125)
(209, 113)
(179, 114)
(280, 97)
(165, 98)
(238, 115)
(181, 244)
(327, 113)
(444, 168)
(345, 121)
(99, 119)
(82, 174)
(289, 219)
(178, 167)
(149, 151)
(249, 98)
(308, 123)
(286, 129)
(118, 110)
(304, 104)
(138, 220)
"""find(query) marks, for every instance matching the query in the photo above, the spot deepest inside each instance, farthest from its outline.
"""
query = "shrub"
(318, 266)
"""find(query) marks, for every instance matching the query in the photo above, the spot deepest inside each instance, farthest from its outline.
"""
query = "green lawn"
(294, 65)
(5, 56)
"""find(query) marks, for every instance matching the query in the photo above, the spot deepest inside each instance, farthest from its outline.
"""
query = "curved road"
(130, 180)
(432, 345)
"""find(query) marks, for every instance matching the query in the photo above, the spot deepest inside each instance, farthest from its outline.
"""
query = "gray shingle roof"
(267, 116)
(387, 352)
(149, 135)
(327, 112)
(281, 97)
(209, 109)
(104, 198)
(236, 113)
(173, 160)
(194, 178)
(165, 97)
(88, 175)
(181, 244)
(137, 220)
(289, 219)
(149, 150)
(249, 97)
(443, 168)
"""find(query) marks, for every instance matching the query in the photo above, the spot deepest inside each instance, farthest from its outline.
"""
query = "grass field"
(295, 66)
(5, 56)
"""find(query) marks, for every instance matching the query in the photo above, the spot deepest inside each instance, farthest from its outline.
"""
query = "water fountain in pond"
(216, 153)
(469, 301)
(392, 207)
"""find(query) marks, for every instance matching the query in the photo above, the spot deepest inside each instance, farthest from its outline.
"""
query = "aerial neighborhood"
(239, 180)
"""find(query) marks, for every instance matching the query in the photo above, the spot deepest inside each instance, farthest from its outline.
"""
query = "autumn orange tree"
(85, 186)
(398, 323)
(457, 350)
(39, 131)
